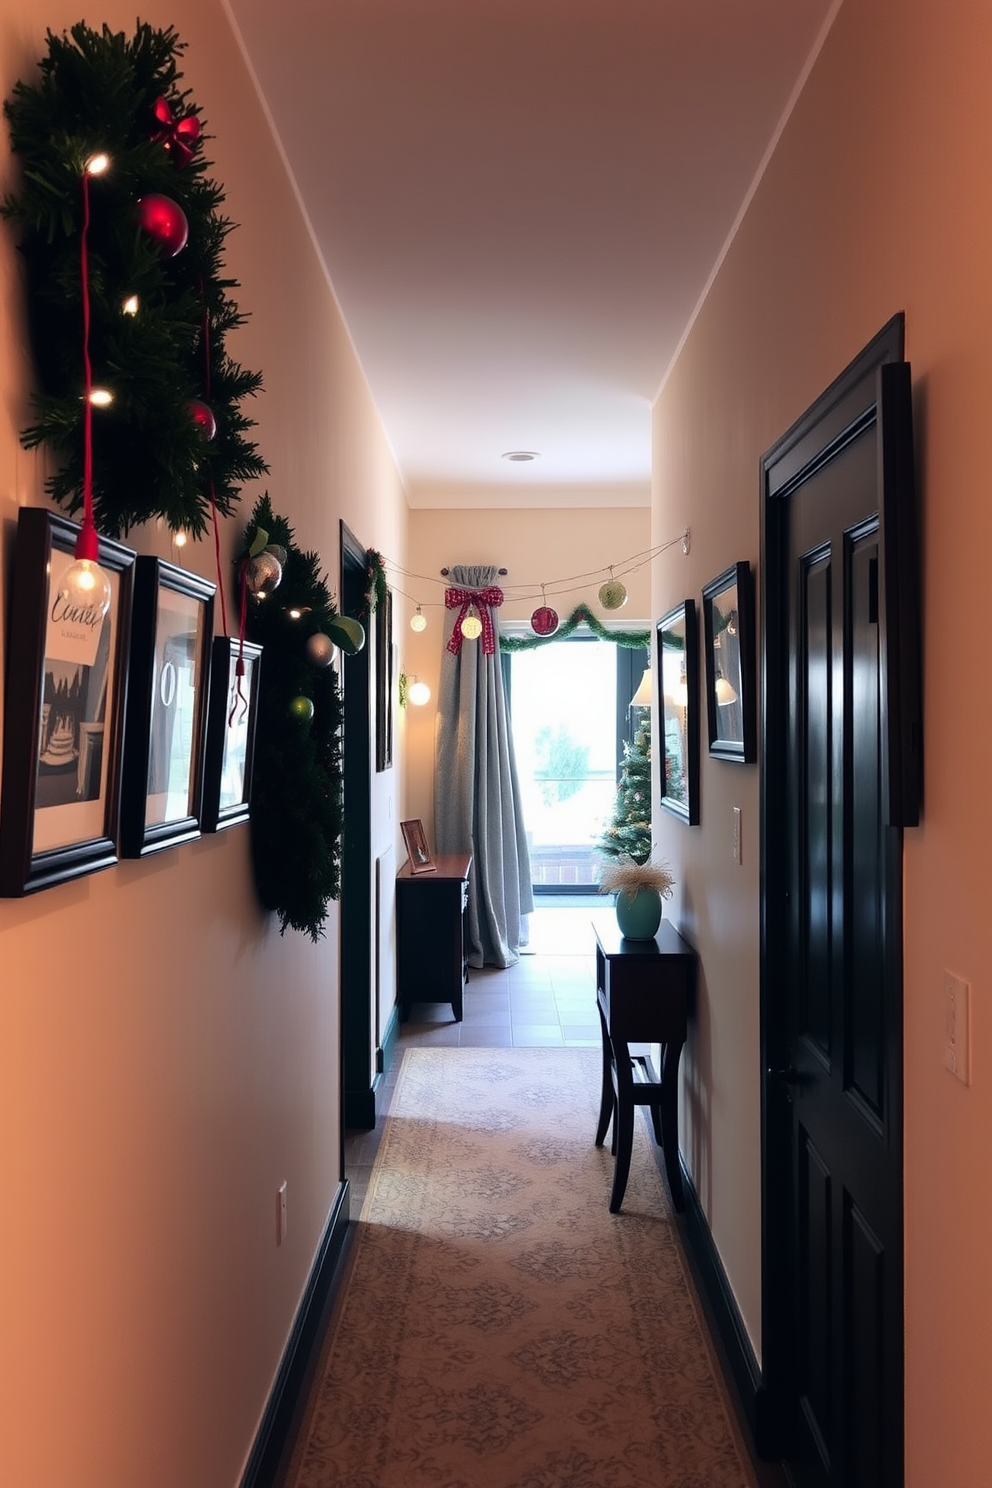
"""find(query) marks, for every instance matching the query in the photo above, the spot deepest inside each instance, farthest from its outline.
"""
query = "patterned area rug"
(498, 1327)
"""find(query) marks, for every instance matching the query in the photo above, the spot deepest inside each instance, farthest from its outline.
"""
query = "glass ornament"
(263, 574)
(84, 590)
(302, 709)
(163, 220)
(418, 621)
(471, 627)
(544, 621)
(320, 649)
(613, 595)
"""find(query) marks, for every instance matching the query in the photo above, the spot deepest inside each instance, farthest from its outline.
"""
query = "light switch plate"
(957, 1027)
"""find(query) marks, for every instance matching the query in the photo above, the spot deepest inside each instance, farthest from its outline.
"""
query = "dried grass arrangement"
(624, 873)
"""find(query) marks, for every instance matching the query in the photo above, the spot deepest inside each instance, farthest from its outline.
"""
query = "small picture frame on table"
(728, 628)
(231, 715)
(172, 633)
(416, 846)
(67, 672)
(678, 689)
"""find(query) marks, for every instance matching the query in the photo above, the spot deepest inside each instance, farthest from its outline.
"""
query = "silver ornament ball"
(263, 574)
(320, 649)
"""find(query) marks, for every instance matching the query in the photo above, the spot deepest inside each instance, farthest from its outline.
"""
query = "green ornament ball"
(347, 633)
(613, 595)
(301, 708)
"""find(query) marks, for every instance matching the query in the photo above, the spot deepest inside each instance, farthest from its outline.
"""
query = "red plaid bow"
(483, 600)
(177, 135)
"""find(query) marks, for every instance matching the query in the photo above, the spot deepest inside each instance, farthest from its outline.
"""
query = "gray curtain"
(476, 797)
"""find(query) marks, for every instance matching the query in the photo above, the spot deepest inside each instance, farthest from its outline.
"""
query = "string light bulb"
(418, 621)
(84, 587)
(130, 305)
(471, 627)
(97, 164)
(101, 397)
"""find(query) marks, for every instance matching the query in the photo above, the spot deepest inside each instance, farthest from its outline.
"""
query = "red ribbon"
(177, 135)
(484, 600)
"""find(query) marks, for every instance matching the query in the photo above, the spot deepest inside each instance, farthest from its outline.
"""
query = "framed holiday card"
(64, 713)
(235, 668)
(678, 690)
(167, 708)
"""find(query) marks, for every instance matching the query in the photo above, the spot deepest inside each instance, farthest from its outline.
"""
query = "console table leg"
(606, 1101)
(670, 1124)
(623, 1126)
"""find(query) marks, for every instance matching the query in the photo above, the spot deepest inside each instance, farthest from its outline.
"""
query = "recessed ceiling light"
(521, 456)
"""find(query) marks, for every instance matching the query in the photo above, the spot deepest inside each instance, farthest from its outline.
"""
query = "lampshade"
(645, 691)
(725, 694)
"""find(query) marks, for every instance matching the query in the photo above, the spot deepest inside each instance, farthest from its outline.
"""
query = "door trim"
(874, 388)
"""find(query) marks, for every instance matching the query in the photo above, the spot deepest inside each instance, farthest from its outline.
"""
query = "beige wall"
(166, 1058)
(536, 546)
(876, 200)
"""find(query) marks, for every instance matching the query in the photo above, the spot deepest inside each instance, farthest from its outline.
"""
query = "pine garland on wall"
(172, 441)
(296, 801)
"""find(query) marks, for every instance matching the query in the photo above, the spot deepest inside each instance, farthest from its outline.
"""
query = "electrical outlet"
(281, 1219)
(957, 1027)
(736, 839)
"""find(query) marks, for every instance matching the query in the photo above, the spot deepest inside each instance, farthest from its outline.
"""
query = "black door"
(831, 974)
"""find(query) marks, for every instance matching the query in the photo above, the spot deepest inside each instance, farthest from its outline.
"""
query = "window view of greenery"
(563, 706)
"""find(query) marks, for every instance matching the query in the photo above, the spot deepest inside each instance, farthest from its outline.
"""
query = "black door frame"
(874, 388)
(358, 1084)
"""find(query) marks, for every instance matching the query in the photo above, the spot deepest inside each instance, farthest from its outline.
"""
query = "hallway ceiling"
(519, 204)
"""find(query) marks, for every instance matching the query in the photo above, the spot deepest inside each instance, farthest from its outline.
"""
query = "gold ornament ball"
(613, 595)
(301, 708)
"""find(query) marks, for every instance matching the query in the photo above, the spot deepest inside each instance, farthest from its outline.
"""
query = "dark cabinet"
(430, 933)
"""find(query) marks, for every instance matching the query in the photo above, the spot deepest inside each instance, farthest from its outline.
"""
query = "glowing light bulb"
(85, 592)
(471, 627)
(418, 621)
(130, 305)
(97, 164)
(180, 539)
(101, 397)
(418, 693)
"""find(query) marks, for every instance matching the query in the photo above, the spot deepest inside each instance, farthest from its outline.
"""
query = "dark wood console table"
(642, 993)
(430, 934)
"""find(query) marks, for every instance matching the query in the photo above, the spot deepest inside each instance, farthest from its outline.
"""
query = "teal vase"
(638, 914)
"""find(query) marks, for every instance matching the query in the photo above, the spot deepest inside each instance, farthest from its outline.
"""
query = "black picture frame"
(728, 630)
(677, 661)
(66, 690)
(384, 682)
(231, 716)
(171, 636)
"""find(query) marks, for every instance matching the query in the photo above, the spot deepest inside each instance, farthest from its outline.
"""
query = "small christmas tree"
(629, 833)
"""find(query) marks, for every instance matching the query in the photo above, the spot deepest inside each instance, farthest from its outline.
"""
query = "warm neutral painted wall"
(876, 200)
(166, 1058)
(537, 546)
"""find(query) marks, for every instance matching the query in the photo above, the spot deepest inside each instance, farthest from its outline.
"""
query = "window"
(569, 714)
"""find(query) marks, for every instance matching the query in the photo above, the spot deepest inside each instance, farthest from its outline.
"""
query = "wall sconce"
(644, 695)
(725, 694)
(412, 690)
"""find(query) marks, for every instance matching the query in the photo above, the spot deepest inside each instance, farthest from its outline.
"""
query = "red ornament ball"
(544, 621)
(203, 416)
(165, 221)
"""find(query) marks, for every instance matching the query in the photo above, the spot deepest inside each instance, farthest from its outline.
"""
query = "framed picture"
(728, 628)
(416, 846)
(231, 714)
(64, 717)
(172, 630)
(678, 690)
(384, 683)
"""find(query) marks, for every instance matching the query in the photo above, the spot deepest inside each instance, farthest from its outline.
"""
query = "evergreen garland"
(296, 798)
(582, 614)
(629, 834)
(98, 91)
(375, 573)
